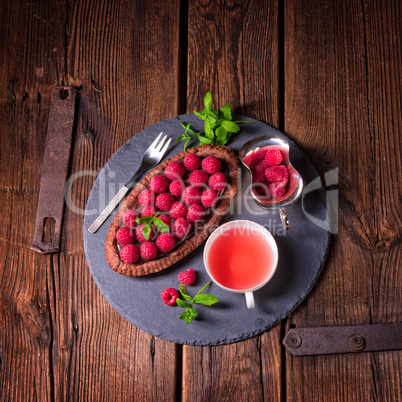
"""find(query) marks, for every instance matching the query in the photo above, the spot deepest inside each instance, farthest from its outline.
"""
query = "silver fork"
(151, 157)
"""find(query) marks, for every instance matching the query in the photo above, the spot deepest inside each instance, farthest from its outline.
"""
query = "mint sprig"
(200, 298)
(218, 125)
(147, 221)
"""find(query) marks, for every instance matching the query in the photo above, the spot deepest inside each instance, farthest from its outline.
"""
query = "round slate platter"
(302, 250)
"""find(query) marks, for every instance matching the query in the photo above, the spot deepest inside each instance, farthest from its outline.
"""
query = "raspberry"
(178, 210)
(285, 177)
(276, 190)
(195, 213)
(217, 181)
(198, 178)
(146, 197)
(164, 201)
(209, 198)
(174, 170)
(169, 296)
(277, 174)
(176, 187)
(211, 164)
(258, 172)
(129, 217)
(181, 228)
(262, 189)
(148, 250)
(129, 253)
(191, 162)
(140, 235)
(273, 156)
(158, 184)
(149, 210)
(258, 176)
(165, 219)
(191, 195)
(165, 242)
(125, 235)
(187, 277)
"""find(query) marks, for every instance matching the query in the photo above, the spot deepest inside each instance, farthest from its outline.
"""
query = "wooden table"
(326, 73)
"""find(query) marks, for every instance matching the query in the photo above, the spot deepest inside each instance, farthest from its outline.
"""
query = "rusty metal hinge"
(343, 339)
(55, 168)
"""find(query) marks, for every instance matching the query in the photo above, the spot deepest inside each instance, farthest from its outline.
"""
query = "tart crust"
(227, 155)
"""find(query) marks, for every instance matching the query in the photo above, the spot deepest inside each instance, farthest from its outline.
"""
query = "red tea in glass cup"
(241, 256)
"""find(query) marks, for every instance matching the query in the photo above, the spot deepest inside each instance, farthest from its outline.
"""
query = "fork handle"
(108, 210)
(115, 201)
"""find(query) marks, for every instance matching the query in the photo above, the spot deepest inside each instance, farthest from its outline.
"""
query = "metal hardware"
(352, 339)
(55, 168)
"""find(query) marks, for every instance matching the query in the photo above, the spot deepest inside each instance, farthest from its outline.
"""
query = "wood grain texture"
(31, 65)
(124, 56)
(62, 340)
(233, 52)
(342, 96)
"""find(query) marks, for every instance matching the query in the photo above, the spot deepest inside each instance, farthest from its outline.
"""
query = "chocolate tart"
(230, 168)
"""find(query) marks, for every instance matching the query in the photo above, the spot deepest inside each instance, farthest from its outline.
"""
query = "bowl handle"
(284, 218)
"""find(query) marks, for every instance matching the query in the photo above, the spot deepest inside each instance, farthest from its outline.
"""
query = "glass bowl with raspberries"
(275, 183)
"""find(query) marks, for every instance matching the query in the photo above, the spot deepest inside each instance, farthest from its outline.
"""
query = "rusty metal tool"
(55, 168)
(343, 339)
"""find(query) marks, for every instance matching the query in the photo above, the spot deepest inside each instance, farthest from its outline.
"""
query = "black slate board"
(302, 251)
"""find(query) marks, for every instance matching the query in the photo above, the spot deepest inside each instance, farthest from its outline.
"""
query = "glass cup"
(249, 254)
(294, 186)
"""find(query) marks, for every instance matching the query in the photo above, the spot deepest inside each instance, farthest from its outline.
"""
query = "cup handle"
(284, 218)
(250, 299)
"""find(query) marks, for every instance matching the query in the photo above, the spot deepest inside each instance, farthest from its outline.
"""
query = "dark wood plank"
(233, 52)
(61, 339)
(32, 49)
(124, 55)
(342, 104)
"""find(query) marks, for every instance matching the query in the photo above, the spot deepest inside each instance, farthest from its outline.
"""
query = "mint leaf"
(208, 101)
(185, 315)
(226, 112)
(183, 291)
(186, 143)
(146, 232)
(182, 303)
(192, 312)
(204, 140)
(221, 136)
(146, 220)
(218, 125)
(208, 130)
(205, 299)
(181, 137)
(230, 126)
(160, 225)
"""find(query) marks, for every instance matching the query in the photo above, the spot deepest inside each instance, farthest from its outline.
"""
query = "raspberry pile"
(182, 197)
(270, 175)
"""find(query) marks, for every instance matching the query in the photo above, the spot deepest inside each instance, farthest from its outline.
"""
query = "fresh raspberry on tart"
(178, 210)
(129, 218)
(159, 184)
(191, 195)
(125, 235)
(164, 201)
(174, 170)
(191, 162)
(176, 187)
